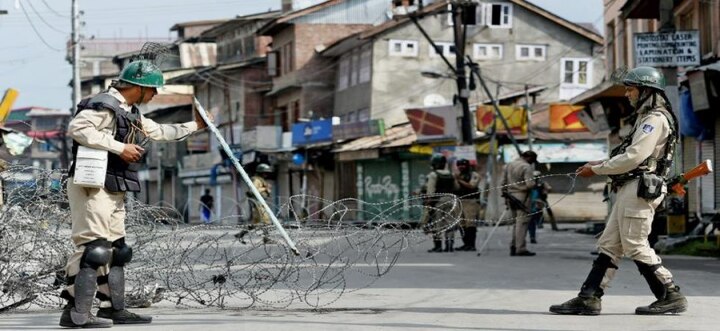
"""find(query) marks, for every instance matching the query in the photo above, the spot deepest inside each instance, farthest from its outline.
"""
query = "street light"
(435, 75)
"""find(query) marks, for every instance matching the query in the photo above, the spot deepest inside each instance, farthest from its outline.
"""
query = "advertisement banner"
(564, 117)
(434, 123)
(515, 116)
(561, 152)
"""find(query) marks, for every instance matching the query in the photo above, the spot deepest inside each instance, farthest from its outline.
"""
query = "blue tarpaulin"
(690, 125)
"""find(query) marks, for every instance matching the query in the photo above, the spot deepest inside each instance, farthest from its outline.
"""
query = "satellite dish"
(431, 100)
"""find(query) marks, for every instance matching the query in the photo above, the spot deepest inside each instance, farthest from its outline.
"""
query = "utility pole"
(460, 29)
(75, 44)
(528, 112)
(456, 10)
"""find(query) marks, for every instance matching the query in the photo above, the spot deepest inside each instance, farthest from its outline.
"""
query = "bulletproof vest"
(120, 176)
(662, 165)
(445, 183)
(463, 191)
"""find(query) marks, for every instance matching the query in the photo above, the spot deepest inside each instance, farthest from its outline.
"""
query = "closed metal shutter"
(689, 161)
(707, 183)
(716, 162)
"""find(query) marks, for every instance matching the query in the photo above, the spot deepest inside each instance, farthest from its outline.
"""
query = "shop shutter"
(716, 162)
(689, 161)
(707, 183)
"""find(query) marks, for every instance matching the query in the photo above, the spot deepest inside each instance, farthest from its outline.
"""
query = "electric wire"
(37, 33)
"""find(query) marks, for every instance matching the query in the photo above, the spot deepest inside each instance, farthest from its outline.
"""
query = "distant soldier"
(468, 180)
(259, 217)
(517, 182)
(638, 169)
(443, 209)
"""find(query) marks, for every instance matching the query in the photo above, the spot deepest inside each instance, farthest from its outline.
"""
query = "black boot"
(672, 302)
(513, 252)
(669, 298)
(579, 306)
(449, 245)
(437, 247)
(92, 321)
(472, 236)
(588, 301)
(123, 316)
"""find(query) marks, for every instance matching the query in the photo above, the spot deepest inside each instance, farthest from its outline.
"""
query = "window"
(272, 64)
(403, 48)
(363, 114)
(365, 65)
(498, 15)
(343, 73)
(530, 52)
(287, 59)
(488, 51)
(576, 71)
(479, 15)
(447, 49)
(355, 69)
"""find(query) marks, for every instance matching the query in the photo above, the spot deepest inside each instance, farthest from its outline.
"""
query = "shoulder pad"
(103, 101)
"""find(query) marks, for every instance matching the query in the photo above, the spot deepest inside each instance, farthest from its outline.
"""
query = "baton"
(244, 175)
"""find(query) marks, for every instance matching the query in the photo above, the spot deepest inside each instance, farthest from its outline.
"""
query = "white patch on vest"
(647, 128)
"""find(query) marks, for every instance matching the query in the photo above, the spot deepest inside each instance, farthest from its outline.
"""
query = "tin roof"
(397, 136)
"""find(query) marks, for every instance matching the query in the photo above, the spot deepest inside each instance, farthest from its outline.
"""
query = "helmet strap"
(142, 95)
(645, 94)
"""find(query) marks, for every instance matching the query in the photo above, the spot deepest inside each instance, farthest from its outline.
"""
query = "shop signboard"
(358, 129)
(312, 132)
(667, 49)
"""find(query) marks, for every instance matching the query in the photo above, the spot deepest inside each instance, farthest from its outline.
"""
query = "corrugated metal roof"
(398, 136)
(349, 12)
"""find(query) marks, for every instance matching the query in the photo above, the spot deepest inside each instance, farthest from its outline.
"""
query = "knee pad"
(122, 253)
(648, 272)
(97, 253)
(604, 261)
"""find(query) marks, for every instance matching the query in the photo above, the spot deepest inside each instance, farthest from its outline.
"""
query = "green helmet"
(263, 168)
(142, 73)
(645, 77)
(438, 161)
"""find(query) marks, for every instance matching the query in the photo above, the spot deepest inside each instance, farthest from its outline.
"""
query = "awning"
(713, 66)
(638, 9)
(44, 134)
(606, 89)
(398, 136)
(516, 94)
(278, 89)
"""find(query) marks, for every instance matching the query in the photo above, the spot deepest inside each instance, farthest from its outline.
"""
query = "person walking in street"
(638, 169)
(538, 204)
(206, 206)
(259, 218)
(468, 180)
(517, 183)
(442, 207)
(110, 121)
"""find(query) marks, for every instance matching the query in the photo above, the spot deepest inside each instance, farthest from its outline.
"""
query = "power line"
(44, 21)
(54, 11)
(36, 30)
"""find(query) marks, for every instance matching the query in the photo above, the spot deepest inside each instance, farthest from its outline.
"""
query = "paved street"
(461, 291)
